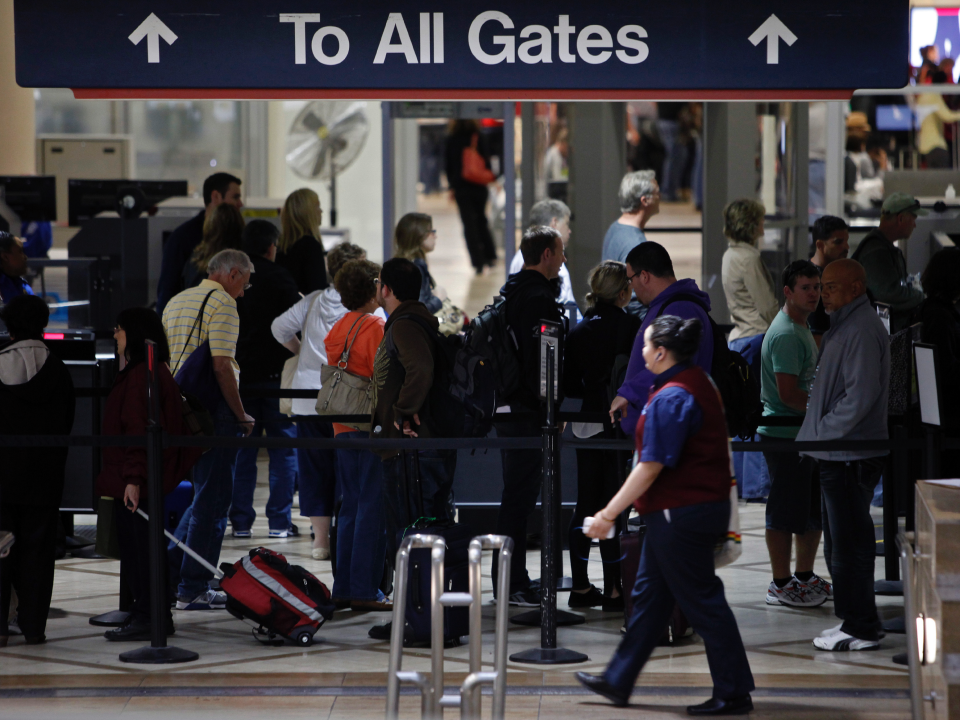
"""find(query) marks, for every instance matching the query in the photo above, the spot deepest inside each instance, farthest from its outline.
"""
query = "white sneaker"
(794, 594)
(831, 631)
(278, 534)
(209, 600)
(817, 586)
(840, 641)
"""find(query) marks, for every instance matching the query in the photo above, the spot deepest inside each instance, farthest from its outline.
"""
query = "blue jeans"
(283, 463)
(361, 532)
(676, 566)
(400, 493)
(317, 470)
(753, 476)
(203, 524)
(674, 160)
(849, 543)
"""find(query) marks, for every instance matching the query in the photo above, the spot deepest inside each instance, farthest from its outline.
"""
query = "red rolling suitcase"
(283, 599)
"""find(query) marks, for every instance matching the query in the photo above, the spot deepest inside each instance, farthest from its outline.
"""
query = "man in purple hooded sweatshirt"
(650, 272)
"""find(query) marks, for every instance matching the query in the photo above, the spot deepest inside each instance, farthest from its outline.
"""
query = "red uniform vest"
(703, 473)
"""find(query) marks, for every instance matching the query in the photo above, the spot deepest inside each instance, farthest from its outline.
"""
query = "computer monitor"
(895, 118)
(87, 198)
(32, 197)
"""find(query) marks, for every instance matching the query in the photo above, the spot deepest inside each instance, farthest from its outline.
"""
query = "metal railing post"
(905, 547)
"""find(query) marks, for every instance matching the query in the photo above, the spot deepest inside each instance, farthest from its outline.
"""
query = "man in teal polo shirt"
(788, 361)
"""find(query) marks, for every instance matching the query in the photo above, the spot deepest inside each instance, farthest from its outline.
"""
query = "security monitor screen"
(939, 27)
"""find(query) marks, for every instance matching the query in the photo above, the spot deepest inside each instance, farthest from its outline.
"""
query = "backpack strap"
(345, 355)
(196, 324)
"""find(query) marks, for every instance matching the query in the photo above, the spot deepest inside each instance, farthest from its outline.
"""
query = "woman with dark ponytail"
(681, 488)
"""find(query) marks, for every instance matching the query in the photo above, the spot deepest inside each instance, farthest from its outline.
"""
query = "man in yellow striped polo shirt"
(208, 313)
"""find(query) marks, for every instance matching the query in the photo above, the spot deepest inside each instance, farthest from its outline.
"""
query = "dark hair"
(827, 225)
(876, 142)
(8, 242)
(938, 77)
(941, 277)
(536, 241)
(222, 230)
(142, 324)
(220, 182)
(855, 143)
(341, 254)
(798, 269)
(355, 283)
(258, 236)
(402, 277)
(681, 337)
(25, 317)
(651, 257)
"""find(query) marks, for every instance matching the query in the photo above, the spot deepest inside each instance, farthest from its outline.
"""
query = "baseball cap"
(897, 203)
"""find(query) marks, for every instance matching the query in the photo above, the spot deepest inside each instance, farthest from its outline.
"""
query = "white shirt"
(566, 287)
(312, 317)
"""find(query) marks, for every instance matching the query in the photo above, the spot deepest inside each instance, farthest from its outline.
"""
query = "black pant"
(597, 482)
(522, 479)
(28, 568)
(472, 202)
(849, 542)
(134, 535)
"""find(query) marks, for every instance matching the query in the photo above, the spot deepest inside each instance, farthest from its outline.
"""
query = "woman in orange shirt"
(361, 530)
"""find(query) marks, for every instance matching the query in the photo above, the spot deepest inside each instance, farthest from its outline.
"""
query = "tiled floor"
(77, 673)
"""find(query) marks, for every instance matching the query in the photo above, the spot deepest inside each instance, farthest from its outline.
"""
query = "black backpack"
(462, 399)
(490, 337)
(739, 387)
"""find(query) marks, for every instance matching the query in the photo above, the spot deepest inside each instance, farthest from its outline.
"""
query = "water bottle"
(950, 193)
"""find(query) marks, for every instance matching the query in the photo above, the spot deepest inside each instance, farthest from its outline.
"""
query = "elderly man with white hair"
(553, 214)
(204, 320)
(639, 201)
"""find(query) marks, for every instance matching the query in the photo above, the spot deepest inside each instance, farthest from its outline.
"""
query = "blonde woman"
(222, 230)
(414, 238)
(605, 334)
(300, 249)
(746, 281)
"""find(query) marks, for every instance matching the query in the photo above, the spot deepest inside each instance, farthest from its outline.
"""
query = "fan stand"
(333, 187)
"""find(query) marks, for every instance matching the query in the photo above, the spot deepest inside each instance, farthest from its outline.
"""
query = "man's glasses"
(247, 286)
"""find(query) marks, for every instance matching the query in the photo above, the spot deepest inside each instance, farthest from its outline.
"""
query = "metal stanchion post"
(906, 552)
(158, 653)
(895, 475)
(548, 653)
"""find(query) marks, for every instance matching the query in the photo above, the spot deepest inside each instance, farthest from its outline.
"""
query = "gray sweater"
(848, 400)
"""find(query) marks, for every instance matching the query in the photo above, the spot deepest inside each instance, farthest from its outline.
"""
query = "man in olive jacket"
(403, 375)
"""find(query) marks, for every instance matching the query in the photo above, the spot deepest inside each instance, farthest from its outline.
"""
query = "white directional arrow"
(153, 29)
(774, 31)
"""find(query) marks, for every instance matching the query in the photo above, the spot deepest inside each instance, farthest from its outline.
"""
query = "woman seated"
(681, 487)
(352, 344)
(124, 473)
(36, 398)
(592, 348)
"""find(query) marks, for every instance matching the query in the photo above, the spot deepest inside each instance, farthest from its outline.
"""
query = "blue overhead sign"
(430, 45)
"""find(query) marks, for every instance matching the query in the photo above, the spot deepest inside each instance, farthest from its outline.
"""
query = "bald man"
(848, 401)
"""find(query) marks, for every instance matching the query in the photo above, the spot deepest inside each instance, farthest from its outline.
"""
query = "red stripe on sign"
(509, 95)
(948, 12)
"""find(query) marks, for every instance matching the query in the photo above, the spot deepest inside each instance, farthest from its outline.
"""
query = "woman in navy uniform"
(681, 488)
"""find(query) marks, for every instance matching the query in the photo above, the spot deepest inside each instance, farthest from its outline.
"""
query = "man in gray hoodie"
(848, 401)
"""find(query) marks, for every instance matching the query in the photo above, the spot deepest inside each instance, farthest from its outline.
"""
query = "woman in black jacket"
(300, 249)
(36, 398)
(471, 196)
(593, 348)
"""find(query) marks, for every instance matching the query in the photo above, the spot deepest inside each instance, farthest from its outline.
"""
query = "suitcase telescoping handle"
(416, 469)
(179, 543)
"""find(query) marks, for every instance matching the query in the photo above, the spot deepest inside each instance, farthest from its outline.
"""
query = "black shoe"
(597, 684)
(527, 597)
(294, 531)
(716, 706)
(612, 604)
(591, 598)
(135, 631)
(381, 632)
(900, 659)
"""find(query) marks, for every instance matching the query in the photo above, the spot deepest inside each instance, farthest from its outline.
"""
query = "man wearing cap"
(887, 279)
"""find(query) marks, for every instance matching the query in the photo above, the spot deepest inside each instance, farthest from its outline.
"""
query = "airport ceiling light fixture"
(406, 49)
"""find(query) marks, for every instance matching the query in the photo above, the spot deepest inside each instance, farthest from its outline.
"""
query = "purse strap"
(345, 355)
(196, 324)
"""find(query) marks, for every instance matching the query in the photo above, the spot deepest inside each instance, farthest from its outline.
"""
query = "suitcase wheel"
(304, 638)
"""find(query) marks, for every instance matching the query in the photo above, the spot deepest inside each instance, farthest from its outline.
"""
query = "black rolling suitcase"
(417, 624)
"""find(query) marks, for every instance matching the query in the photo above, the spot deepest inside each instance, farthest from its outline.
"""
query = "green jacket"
(887, 278)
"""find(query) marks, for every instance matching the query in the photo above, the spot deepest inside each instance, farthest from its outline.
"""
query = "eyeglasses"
(247, 286)
(433, 231)
(376, 281)
(631, 277)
